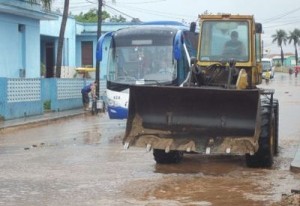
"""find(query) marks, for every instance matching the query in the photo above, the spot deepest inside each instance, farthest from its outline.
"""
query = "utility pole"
(98, 36)
(262, 49)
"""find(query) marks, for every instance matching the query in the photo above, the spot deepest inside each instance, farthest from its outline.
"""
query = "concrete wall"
(22, 97)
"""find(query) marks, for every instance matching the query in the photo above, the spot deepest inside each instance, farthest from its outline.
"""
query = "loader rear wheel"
(264, 156)
(161, 157)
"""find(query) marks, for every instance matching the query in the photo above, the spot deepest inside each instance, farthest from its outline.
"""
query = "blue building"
(288, 61)
(28, 49)
(79, 44)
(29, 39)
(20, 38)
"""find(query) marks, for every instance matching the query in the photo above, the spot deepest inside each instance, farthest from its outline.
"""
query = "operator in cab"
(234, 47)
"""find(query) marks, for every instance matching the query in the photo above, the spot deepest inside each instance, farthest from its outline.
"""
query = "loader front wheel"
(264, 156)
(172, 157)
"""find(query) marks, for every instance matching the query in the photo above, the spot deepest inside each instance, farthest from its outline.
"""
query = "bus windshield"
(139, 59)
(221, 40)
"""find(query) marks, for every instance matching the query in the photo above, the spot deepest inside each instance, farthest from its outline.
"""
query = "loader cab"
(231, 38)
(224, 40)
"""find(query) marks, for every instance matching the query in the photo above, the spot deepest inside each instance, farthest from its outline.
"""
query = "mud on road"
(81, 161)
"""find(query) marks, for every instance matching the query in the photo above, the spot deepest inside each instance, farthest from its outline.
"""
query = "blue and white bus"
(154, 54)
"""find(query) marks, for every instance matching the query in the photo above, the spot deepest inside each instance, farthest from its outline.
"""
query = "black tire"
(276, 136)
(264, 156)
(172, 157)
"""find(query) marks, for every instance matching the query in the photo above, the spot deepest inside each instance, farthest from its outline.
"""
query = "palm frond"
(46, 4)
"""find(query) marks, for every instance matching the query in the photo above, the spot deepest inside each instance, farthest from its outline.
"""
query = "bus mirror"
(100, 45)
(99, 54)
(177, 46)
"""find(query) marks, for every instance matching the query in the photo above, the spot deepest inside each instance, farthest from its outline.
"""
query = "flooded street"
(81, 161)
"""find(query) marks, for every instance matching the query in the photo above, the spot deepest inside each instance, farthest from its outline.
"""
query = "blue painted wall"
(288, 60)
(20, 97)
(19, 52)
(20, 38)
(51, 29)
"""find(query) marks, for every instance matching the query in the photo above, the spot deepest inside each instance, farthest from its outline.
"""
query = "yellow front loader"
(218, 110)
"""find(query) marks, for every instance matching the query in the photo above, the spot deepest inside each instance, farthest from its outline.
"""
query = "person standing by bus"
(90, 88)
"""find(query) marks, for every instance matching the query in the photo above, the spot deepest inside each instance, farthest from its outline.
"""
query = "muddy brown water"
(81, 161)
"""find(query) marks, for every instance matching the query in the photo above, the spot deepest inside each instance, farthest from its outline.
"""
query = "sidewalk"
(39, 119)
(52, 116)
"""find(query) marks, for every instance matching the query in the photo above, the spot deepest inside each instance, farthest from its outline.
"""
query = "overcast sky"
(274, 15)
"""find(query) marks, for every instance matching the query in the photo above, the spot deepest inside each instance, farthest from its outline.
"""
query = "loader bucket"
(202, 111)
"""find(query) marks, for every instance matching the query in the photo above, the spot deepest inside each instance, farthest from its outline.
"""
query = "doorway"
(87, 54)
(49, 61)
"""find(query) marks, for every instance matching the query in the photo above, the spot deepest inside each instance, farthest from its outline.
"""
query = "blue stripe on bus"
(117, 112)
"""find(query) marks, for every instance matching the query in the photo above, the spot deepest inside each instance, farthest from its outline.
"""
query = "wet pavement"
(281, 92)
(81, 161)
(287, 90)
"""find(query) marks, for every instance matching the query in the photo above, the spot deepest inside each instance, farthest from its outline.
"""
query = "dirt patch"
(289, 200)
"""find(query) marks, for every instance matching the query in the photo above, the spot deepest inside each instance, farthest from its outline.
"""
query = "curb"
(37, 122)
(295, 164)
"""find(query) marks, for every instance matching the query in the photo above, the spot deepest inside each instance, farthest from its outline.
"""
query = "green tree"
(91, 16)
(280, 37)
(45, 3)
(295, 37)
(116, 18)
(136, 20)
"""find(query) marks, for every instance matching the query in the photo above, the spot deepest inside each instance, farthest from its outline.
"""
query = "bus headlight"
(113, 103)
